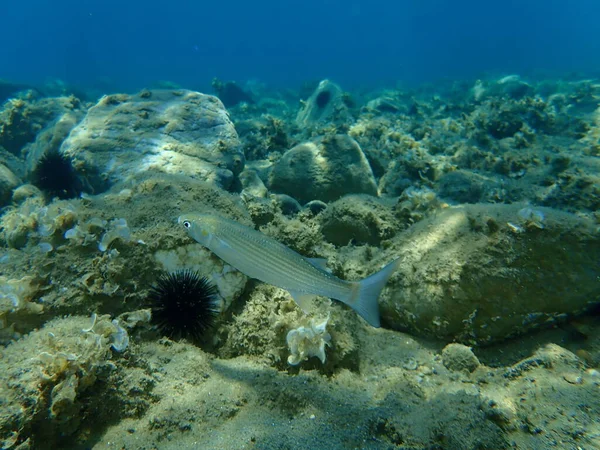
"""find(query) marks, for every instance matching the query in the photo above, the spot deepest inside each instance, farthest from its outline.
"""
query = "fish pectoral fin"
(303, 300)
(221, 242)
(319, 263)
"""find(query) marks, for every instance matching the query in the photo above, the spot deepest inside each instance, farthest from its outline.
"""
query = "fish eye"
(187, 224)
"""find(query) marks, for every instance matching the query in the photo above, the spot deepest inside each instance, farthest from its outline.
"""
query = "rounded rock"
(316, 207)
(458, 358)
(326, 104)
(8, 181)
(326, 169)
(160, 131)
(288, 205)
(252, 184)
(361, 219)
(24, 192)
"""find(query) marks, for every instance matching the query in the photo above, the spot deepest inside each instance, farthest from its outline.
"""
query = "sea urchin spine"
(55, 176)
(184, 304)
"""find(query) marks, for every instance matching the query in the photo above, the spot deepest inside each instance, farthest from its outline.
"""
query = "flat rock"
(169, 131)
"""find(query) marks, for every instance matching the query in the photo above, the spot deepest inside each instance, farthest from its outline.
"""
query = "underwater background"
(299, 225)
(129, 45)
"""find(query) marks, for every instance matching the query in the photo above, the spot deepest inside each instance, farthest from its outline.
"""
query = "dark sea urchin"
(55, 176)
(184, 304)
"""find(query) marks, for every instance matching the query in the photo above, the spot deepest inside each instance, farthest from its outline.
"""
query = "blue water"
(131, 43)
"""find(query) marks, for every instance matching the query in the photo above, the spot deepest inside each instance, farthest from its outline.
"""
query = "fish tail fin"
(365, 295)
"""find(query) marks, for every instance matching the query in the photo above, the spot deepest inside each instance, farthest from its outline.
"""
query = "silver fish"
(259, 256)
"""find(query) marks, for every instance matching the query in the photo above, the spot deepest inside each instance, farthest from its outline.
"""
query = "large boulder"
(22, 119)
(326, 169)
(169, 131)
(481, 273)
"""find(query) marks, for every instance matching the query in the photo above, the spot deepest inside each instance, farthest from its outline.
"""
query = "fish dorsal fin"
(319, 263)
(303, 300)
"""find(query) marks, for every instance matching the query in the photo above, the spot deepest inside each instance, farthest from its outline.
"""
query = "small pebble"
(425, 370)
(24, 192)
(410, 364)
(45, 247)
(289, 206)
(573, 378)
(458, 357)
(593, 373)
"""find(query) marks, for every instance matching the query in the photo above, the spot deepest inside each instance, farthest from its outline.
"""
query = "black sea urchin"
(55, 176)
(184, 304)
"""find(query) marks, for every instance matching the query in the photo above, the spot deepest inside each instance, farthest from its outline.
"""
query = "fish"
(268, 260)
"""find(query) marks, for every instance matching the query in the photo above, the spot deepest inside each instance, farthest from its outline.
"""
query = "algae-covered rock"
(481, 273)
(44, 375)
(22, 119)
(230, 93)
(8, 181)
(325, 169)
(273, 327)
(31, 217)
(25, 192)
(358, 218)
(463, 186)
(286, 204)
(316, 207)
(177, 132)
(18, 305)
(511, 86)
(51, 137)
(326, 103)
(252, 184)
(459, 357)
(111, 244)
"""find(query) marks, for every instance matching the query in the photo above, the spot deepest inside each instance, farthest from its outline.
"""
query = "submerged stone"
(467, 276)
(360, 219)
(325, 104)
(8, 182)
(325, 169)
(175, 132)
